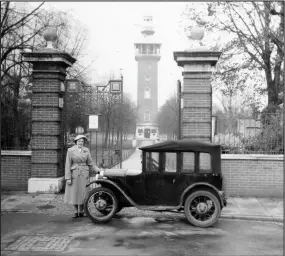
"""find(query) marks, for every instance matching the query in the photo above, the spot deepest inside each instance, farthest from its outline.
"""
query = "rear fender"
(114, 186)
(201, 185)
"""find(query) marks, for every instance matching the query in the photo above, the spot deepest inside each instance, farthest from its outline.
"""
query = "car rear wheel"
(202, 208)
(100, 204)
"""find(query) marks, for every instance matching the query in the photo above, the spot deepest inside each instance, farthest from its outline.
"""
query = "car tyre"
(107, 215)
(119, 208)
(196, 205)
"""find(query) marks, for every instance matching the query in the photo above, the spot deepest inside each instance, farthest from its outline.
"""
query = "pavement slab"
(250, 205)
(274, 206)
(26, 202)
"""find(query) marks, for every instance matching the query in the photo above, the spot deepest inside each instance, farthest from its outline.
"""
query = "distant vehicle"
(175, 176)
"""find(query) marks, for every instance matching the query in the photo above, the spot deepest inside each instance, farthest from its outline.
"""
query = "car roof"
(182, 145)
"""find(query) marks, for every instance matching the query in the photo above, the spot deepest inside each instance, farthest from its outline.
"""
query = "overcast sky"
(112, 31)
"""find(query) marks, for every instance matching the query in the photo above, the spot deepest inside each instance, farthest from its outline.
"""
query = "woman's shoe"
(81, 214)
(75, 215)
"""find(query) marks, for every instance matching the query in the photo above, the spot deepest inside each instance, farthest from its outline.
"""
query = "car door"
(135, 186)
(187, 165)
(170, 175)
(153, 179)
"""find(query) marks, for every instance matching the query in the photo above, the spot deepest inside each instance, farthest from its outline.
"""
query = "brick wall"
(15, 170)
(253, 175)
(244, 175)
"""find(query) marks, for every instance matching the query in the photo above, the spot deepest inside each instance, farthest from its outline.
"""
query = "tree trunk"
(16, 126)
(118, 137)
(107, 133)
(113, 133)
(272, 93)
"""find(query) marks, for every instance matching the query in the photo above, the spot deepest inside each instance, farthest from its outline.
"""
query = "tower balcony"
(148, 56)
(151, 51)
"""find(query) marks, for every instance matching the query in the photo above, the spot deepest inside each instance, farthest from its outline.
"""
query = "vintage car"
(179, 175)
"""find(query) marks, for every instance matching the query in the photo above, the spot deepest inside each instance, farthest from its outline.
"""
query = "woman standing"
(77, 167)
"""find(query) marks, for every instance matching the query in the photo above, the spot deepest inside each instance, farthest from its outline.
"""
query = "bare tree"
(21, 30)
(167, 116)
(114, 114)
(255, 32)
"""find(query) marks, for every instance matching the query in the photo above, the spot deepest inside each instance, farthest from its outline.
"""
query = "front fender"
(109, 182)
(202, 184)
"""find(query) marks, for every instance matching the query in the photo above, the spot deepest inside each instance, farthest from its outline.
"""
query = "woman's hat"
(78, 137)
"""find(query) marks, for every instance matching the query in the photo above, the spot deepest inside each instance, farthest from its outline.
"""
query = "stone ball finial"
(50, 36)
(197, 33)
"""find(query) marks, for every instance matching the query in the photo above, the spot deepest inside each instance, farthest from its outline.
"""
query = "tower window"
(147, 93)
(144, 49)
(146, 116)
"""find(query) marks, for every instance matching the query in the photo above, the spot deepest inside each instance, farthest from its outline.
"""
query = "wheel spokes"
(100, 204)
(202, 208)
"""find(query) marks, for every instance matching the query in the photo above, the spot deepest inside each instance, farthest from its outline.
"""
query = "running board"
(157, 207)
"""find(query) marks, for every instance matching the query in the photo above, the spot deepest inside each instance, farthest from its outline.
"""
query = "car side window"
(188, 163)
(170, 162)
(205, 163)
(152, 162)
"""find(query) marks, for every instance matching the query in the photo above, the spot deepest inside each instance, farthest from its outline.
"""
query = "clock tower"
(147, 54)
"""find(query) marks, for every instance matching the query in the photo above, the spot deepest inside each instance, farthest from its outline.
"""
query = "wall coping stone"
(223, 156)
(252, 157)
(16, 153)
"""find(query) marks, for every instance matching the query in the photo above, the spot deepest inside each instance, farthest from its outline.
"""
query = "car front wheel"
(100, 204)
(202, 208)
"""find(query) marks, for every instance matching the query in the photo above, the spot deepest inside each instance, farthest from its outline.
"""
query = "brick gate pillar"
(48, 75)
(196, 120)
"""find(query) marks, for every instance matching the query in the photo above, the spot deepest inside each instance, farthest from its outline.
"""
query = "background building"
(147, 54)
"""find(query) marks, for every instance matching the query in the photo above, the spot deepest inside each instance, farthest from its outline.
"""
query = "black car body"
(172, 172)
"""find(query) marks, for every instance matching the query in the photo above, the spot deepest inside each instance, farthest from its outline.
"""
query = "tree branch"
(3, 32)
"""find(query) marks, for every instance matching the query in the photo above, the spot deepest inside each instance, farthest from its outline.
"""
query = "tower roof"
(147, 32)
(147, 26)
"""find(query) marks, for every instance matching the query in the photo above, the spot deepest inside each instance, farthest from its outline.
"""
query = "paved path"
(134, 161)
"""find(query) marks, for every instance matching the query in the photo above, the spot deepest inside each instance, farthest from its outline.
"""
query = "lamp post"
(116, 87)
(179, 108)
(121, 155)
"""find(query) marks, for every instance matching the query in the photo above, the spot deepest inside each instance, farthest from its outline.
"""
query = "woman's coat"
(77, 167)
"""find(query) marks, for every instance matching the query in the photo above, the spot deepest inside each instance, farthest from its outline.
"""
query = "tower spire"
(147, 27)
